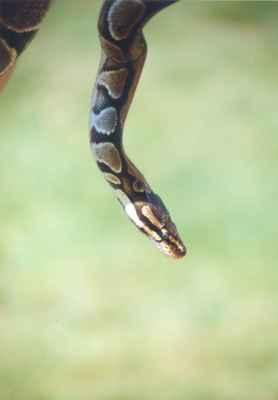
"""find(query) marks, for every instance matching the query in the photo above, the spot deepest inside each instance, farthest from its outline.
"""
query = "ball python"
(124, 50)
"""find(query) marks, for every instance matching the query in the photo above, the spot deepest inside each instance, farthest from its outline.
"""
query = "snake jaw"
(155, 222)
(173, 250)
(171, 243)
(172, 246)
(160, 228)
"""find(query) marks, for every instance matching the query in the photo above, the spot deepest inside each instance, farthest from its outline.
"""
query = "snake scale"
(124, 52)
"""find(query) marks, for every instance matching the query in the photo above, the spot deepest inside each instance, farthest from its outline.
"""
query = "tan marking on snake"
(147, 212)
(114, 82)
(112, 178)
(129, 208)
(138, 48)
(109, 155)
(112, 51)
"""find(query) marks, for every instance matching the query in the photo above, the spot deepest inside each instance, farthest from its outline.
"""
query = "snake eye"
(138, 186)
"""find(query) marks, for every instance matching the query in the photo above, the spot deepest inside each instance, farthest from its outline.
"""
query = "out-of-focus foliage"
(238, 11)
(88, 308)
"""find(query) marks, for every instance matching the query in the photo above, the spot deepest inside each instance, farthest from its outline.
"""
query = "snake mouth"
(174, 250)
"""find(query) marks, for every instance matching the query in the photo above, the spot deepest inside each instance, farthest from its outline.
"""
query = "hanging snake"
(124, 52)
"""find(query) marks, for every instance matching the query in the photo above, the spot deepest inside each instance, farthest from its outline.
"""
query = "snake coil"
(123, 55)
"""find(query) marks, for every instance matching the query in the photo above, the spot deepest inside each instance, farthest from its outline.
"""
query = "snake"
(19, 22)
(123, 54)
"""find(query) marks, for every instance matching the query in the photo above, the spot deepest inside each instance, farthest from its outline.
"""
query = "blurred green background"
(89, 309)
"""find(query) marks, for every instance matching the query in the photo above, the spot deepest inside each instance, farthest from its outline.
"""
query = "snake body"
(123, 55)
(19, 22)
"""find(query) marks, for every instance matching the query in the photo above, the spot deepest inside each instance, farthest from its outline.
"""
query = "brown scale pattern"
(123, 59)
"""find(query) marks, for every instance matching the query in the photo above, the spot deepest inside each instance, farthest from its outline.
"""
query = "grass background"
(88, 308)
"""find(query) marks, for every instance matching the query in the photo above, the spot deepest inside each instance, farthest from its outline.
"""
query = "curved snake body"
(19, 22)
(123, 55)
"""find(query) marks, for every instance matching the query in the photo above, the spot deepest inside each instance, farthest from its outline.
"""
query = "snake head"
(151, 217)
(160, 228)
